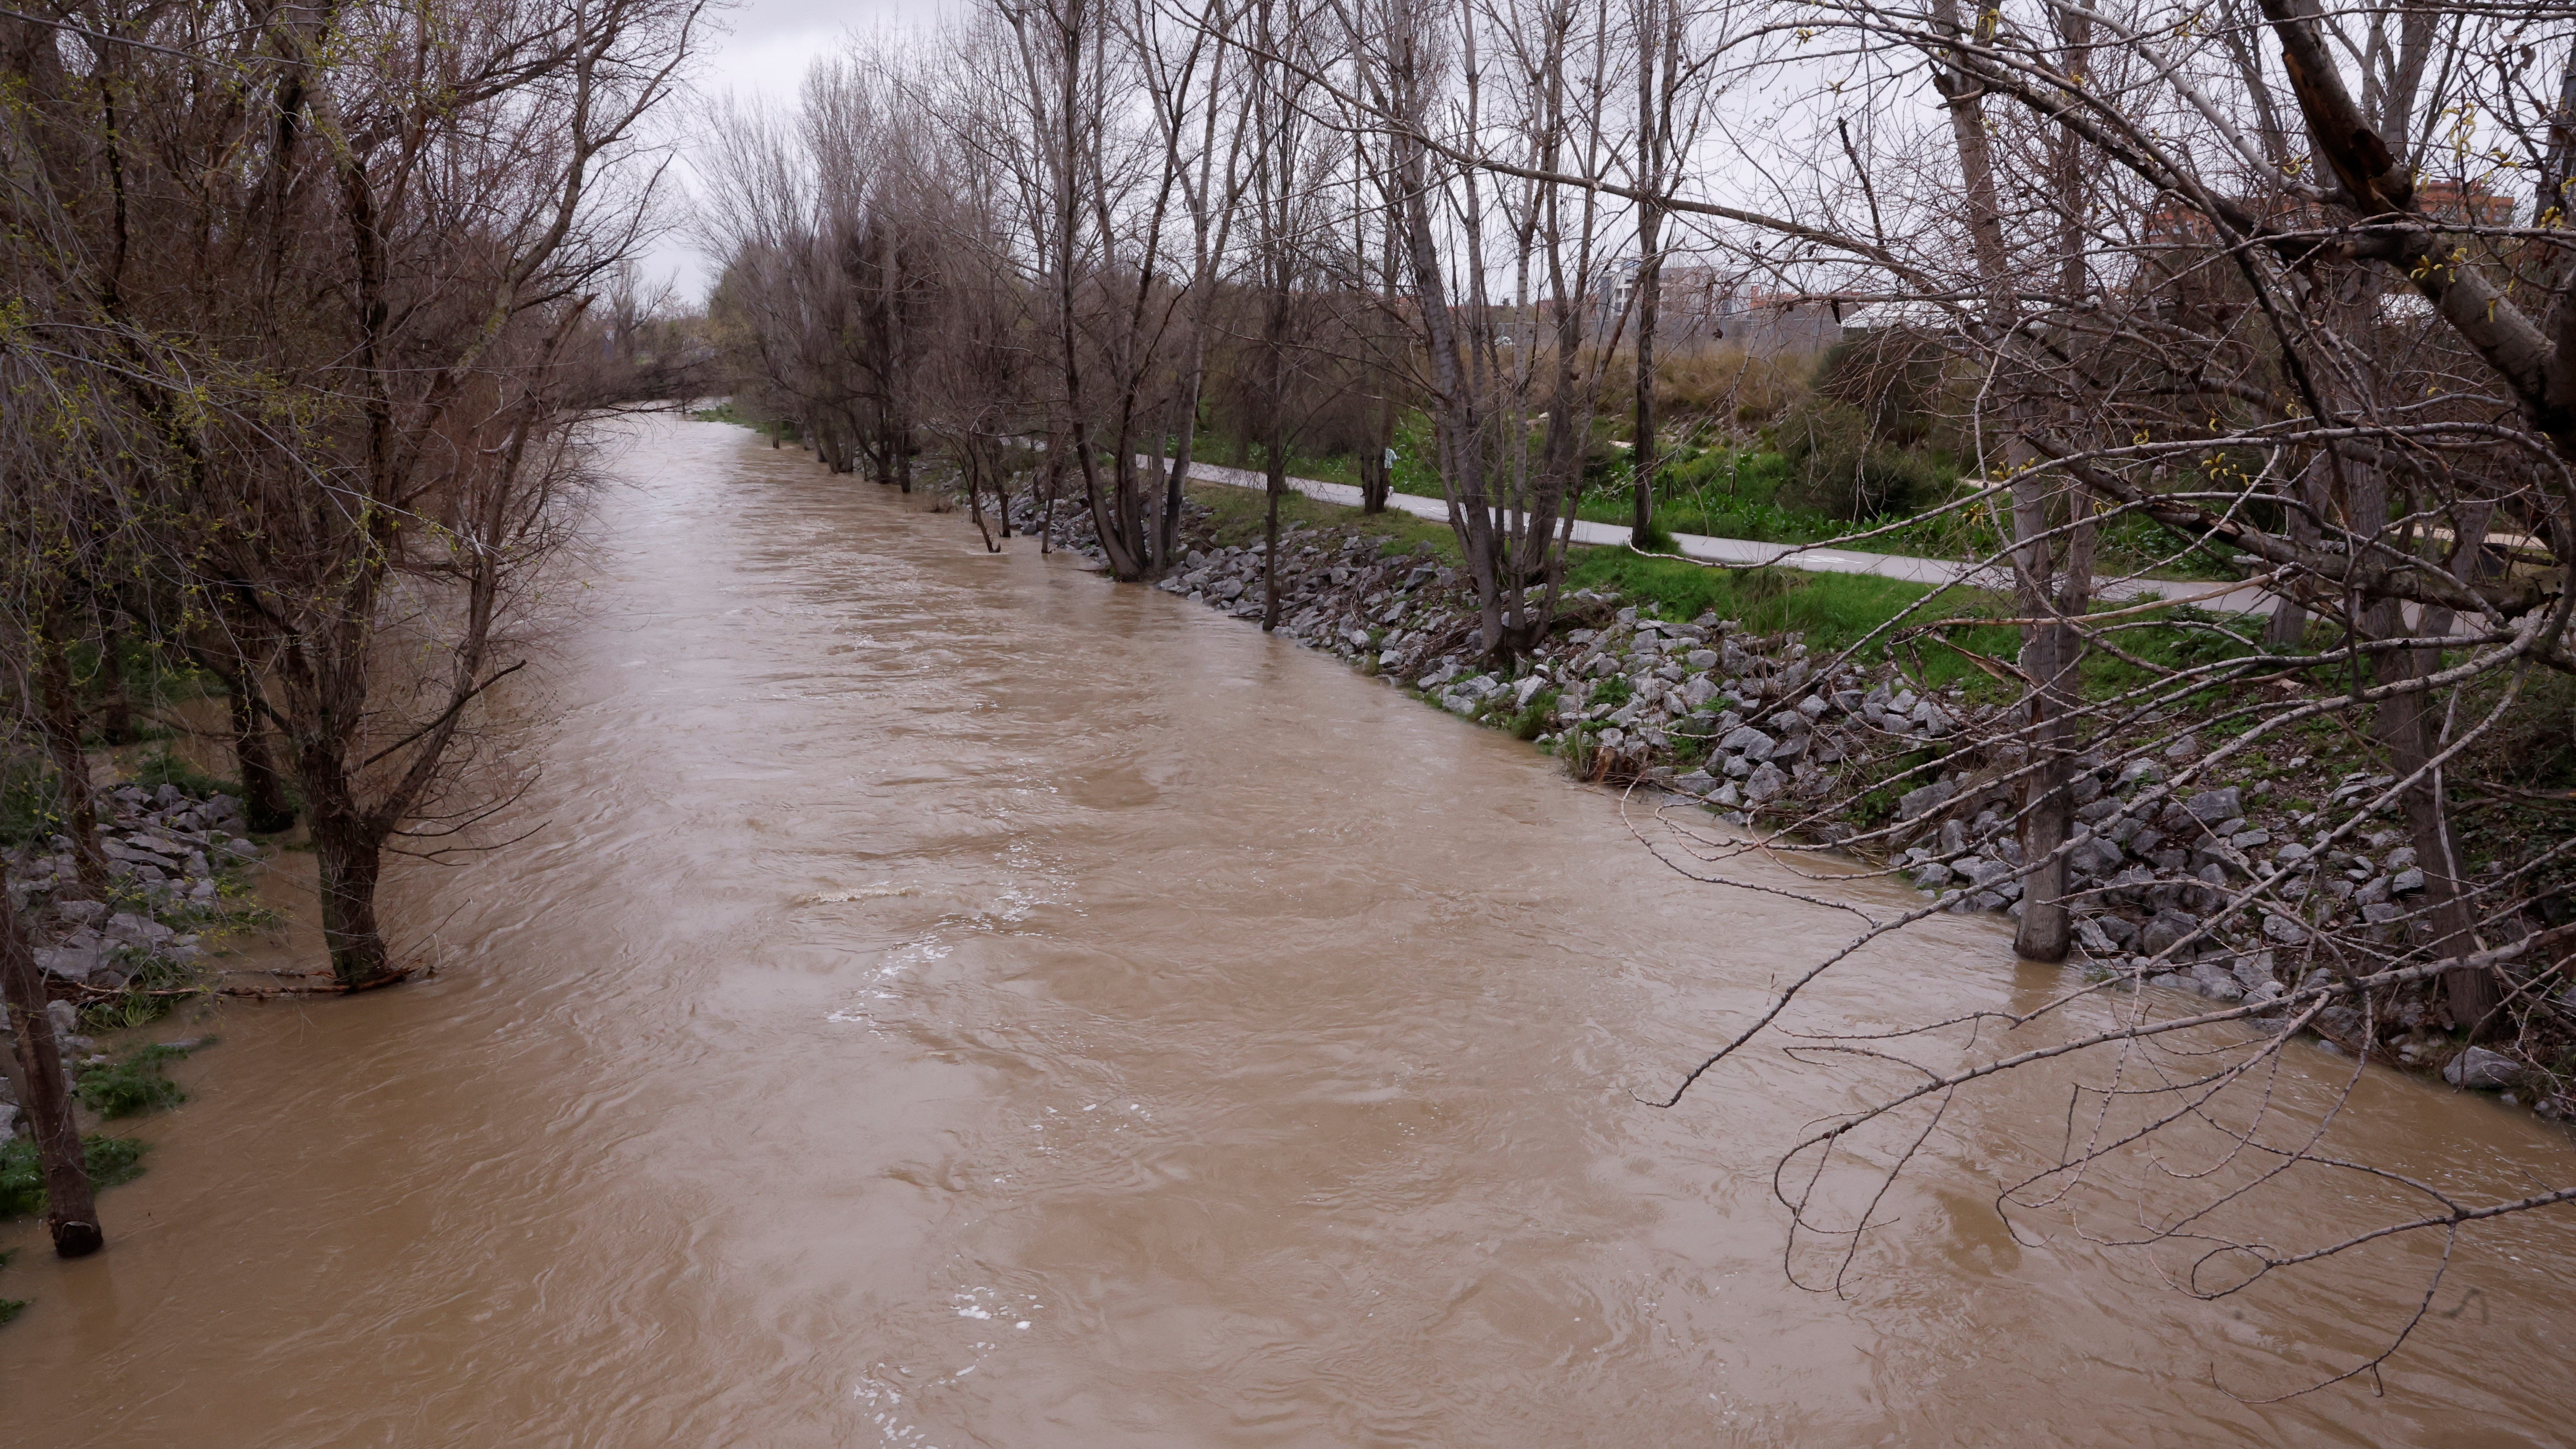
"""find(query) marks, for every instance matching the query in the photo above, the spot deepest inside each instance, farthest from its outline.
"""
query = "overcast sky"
(760, 53)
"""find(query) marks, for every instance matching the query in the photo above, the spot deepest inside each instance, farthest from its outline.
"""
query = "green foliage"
(10, 1308)
(134, 1085)
(110, 1160)
(158, 984)
(29, 805)
(1611, 689)
(2135, 543)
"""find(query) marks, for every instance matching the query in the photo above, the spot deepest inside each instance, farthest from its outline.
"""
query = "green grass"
(1735, 493)
(1236, 516)
(133, 1086)
(1220, 452)
(111, 1160)
(726, 412)
(1831, 609)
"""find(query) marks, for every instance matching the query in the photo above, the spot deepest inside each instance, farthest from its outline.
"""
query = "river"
(952, 1000)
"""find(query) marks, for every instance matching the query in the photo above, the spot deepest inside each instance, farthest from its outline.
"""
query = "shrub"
(1840, 468)
(133, 1086)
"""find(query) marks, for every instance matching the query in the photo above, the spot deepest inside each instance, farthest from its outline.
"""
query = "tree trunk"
(71, 1212)
(61, 712)
(1650, 268)
(263, 792)
(2408, 726)
(2050, 650)
(2048, 655)
(115, 707)
(1641, 457)
(1277, 484)
(349, 859)
(2287, 628)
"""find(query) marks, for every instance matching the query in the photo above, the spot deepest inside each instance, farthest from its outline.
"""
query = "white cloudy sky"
(759, 52)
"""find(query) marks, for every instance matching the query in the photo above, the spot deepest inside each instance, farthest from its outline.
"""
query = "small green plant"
(133, 1086)
(1612, 689)
(111, 1160)
(29, 804)
(1531, 721)
(158, 984)
(10, 1308)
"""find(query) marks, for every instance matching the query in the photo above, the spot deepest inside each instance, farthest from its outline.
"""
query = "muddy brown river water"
(955, 1001)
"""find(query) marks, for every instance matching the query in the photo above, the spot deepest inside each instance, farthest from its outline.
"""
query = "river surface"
(951, 1000)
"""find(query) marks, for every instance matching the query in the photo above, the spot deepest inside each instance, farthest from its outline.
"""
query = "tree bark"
(2408, 727)
(61, 716)
(1277, 485)
(264, 799)
(349, 857)
(71, 1211)
(115, 707)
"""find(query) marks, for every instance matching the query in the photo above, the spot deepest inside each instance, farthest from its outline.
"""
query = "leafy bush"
(111, 1160)
(1842, 469)
(29, 808)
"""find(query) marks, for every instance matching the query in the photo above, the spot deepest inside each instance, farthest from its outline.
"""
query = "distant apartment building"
(1700, 308)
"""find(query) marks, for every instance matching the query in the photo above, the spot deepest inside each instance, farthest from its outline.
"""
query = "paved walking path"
(2221, 597)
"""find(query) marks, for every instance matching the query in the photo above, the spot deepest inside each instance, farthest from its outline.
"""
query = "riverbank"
(181, 865)
(1800, 746)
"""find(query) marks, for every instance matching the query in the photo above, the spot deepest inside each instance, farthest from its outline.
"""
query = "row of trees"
(1085, 229)
(1080, 222)
(2290, 285)
(305, 308)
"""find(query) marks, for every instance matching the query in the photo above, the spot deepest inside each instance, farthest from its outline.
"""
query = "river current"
(952, 1000)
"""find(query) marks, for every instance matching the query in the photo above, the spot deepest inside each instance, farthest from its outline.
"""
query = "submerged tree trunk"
(1277, 485)
(71, 1212)
(348, 854)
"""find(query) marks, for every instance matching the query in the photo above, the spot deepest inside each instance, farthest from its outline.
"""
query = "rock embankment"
(174, 860)
(2234, 890)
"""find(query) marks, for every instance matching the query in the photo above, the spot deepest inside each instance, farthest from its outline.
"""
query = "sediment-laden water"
(953, 1000)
